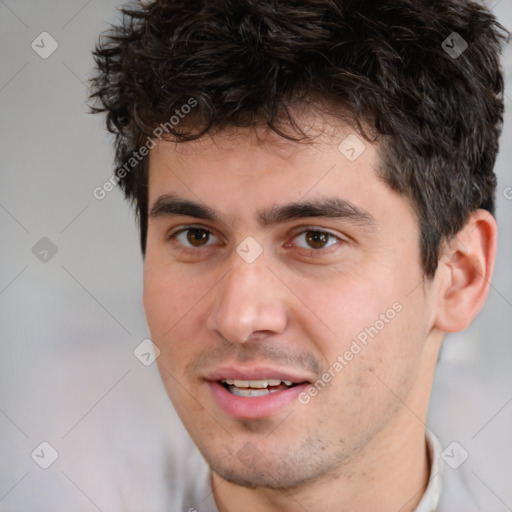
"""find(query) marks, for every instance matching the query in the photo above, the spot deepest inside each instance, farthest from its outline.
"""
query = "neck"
(392, 474)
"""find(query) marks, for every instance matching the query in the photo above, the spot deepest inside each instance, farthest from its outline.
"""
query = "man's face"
(258, 292)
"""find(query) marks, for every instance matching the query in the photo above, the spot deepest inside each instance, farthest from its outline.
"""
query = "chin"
(252, 478)
(271, 468)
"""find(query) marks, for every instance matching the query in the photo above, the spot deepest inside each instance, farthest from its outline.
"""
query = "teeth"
(258, 384)
(255, 384)
(247, 393)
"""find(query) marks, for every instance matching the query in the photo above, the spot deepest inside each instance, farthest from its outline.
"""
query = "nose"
(248, 303)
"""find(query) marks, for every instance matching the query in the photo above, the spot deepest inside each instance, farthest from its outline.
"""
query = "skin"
(296, 308)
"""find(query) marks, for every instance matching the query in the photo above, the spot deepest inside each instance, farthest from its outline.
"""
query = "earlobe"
(465, 272)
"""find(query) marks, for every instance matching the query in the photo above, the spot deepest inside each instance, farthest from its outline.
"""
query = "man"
(315, 189)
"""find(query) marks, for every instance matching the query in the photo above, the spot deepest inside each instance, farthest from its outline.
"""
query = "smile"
(254, 393)
(255, 388)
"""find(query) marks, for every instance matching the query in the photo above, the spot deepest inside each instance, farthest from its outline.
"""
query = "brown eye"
(193, 237)
(197, 237)
(317, 239)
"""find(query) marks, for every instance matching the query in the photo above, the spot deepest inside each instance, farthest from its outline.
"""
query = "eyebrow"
(328, 207)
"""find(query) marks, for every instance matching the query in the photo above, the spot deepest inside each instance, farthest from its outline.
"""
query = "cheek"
(349, 308)
(161, 306)
(169, 308)
(166, 305)
(167, 297)
(372, 325)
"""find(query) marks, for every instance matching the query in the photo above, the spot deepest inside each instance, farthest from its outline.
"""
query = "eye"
(316, 239)
(193, 237)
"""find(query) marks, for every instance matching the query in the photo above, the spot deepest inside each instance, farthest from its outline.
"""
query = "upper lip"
(260, 373)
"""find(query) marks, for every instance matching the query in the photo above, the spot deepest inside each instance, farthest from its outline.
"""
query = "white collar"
(430, 500)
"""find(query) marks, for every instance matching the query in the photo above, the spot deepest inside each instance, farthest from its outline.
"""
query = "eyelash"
(310, 251)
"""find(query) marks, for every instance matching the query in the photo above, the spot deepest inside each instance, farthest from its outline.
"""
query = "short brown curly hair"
(436, 115)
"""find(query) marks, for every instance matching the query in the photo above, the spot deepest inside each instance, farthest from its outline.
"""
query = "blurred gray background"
(71, 311)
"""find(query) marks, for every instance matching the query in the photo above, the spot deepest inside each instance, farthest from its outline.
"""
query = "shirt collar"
(430, 500)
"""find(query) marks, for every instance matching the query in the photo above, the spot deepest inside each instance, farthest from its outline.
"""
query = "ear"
(465, 272)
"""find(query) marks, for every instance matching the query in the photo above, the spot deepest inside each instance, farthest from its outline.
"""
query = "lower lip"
(254, 408)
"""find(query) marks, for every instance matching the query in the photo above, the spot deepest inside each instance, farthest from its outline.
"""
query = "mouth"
(254, 388)
(254, 394)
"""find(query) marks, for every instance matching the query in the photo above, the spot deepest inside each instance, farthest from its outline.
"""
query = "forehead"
(332, 151)
(239, 153)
